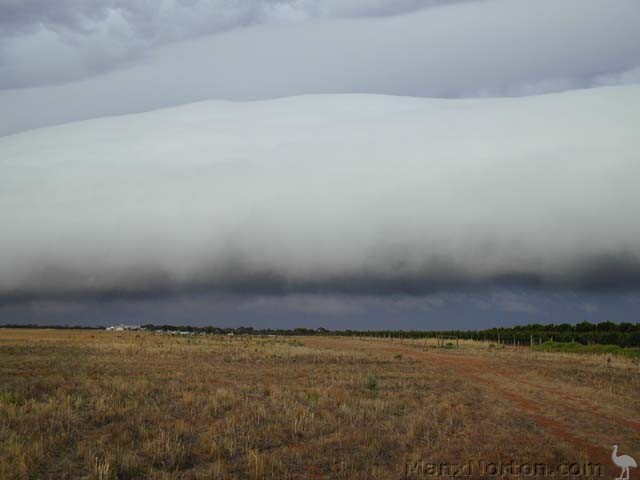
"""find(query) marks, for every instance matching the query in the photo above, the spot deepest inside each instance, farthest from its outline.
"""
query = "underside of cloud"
(457, 49)
(71, 39)
(332, 194)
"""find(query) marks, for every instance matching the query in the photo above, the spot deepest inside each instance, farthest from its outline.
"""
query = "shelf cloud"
(362, 195)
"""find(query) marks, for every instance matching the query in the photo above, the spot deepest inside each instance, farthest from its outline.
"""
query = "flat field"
(125, 405)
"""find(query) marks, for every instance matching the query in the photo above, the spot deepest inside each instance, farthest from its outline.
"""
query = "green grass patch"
(10, 398)
(574, 347)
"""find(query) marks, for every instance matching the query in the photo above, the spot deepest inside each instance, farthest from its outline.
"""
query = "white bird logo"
(624, 462)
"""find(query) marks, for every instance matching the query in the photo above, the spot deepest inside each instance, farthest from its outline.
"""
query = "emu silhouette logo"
(624, 462)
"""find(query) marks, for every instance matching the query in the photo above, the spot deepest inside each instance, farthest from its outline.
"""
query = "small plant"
(398, 356)
(10, 398)
(371, 382)
(256, 464)
(102, 470)
(312, 396)
(449, 345)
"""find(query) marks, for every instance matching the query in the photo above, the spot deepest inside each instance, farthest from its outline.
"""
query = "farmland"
(123, 405)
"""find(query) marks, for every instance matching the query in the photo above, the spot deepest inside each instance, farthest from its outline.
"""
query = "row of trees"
(621, 334)
(210, 330)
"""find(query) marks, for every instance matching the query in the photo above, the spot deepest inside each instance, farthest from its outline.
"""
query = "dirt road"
(563, 407)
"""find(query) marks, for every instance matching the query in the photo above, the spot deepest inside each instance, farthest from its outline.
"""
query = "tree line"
(586, 333)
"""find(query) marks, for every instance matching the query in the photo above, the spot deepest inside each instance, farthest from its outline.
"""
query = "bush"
(371, 382)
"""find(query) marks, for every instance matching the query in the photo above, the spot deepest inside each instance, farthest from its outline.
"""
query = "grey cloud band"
(353, 194)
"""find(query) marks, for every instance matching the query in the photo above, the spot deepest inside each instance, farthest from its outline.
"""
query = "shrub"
(371, 382)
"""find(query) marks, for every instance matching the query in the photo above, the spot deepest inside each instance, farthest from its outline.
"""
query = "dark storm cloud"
(619, 271)
(615, 273)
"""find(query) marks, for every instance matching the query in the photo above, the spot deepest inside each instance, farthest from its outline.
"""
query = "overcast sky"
(47, 42)
(501, 187)
(73, 60)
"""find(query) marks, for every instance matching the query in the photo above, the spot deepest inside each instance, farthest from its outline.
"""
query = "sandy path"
(509, 385)
(544, 402)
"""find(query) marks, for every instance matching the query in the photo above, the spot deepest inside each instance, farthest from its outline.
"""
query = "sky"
(346, 164)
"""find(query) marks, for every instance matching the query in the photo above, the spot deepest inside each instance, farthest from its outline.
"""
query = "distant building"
(122, 328)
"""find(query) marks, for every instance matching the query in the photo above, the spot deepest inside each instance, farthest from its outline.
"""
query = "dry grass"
(105, 405)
